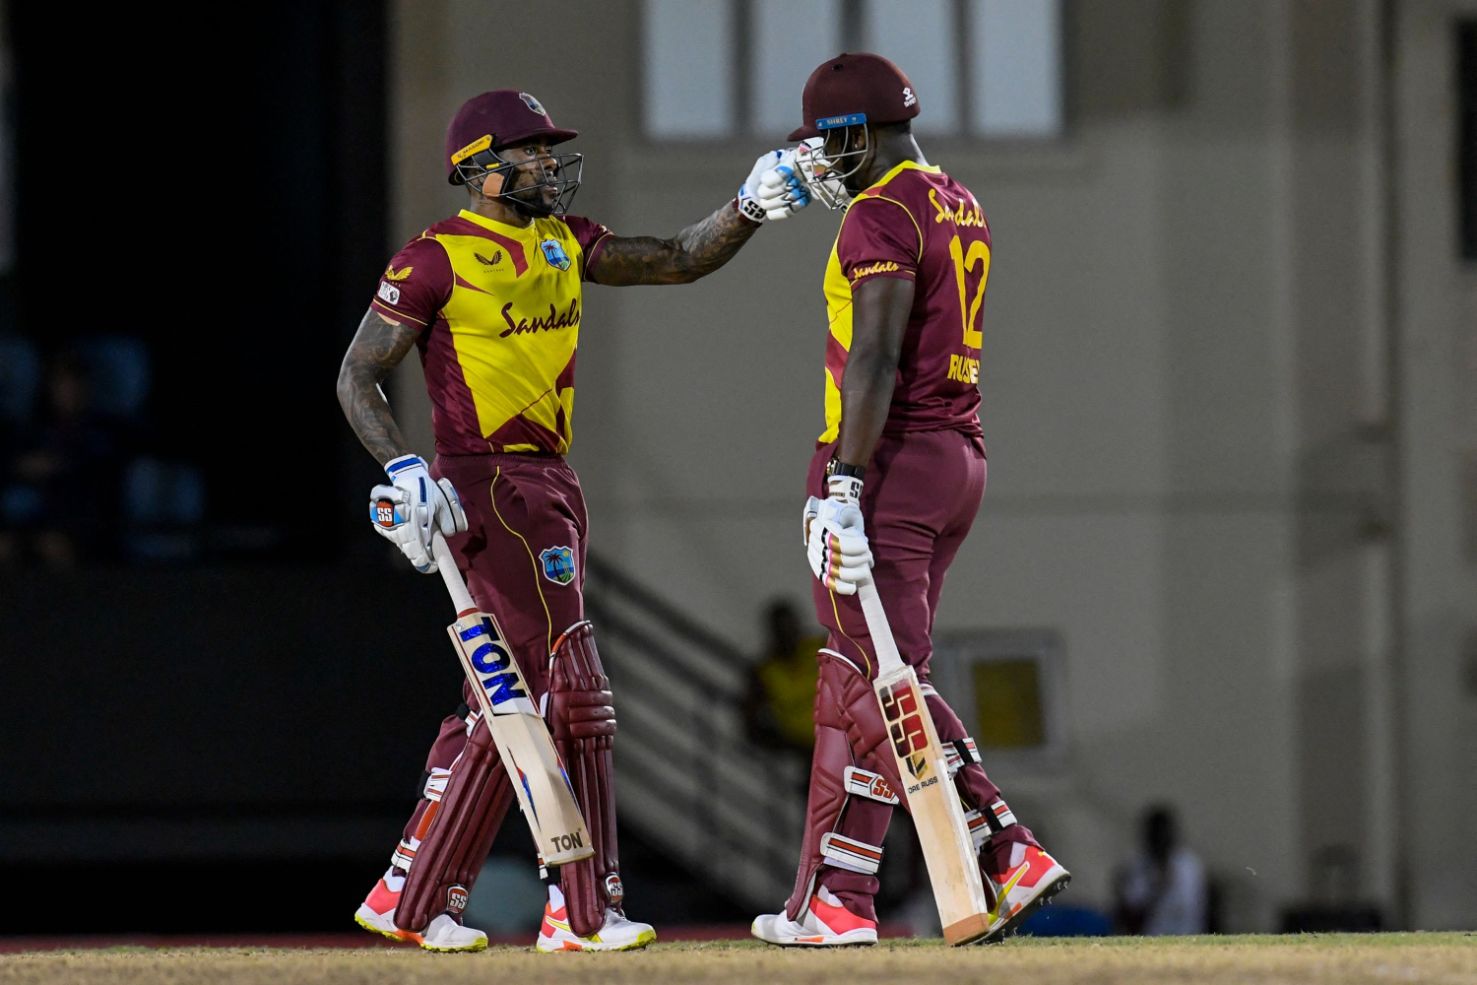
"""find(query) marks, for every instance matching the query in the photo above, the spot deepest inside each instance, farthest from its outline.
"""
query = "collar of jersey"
(899, 169)
(495, 225)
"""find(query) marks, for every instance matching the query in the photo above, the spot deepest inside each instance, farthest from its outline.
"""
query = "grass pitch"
(1337, 959)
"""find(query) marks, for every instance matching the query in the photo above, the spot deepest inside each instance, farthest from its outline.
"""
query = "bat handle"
(888, 659)
(446, 564)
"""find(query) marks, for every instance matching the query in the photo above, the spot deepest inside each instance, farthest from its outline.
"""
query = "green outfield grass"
(1337, 959)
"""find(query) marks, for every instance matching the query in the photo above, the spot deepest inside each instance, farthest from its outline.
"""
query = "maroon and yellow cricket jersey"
(498, 312)
(917, 223)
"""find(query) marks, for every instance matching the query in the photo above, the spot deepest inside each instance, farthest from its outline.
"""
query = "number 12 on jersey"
(964, 264)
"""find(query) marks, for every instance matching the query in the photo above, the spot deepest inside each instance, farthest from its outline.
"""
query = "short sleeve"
(878, 239)
(591, 237)
(416, 284)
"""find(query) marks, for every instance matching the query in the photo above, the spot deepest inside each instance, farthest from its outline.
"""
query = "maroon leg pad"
(849, 731)
(450, 742)
(582, 721)
(975, 787)
(459, 835)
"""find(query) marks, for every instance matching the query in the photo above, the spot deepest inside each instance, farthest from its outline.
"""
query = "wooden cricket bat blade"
(938, 815)
(539, 779)
(968, 930)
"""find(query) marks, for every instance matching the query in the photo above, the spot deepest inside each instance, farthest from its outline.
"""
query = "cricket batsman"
(492, 299)
(898, 474)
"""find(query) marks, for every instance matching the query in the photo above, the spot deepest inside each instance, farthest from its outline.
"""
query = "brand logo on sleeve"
(391, 274)
(388, 293)
(881, 267)
(558, 564)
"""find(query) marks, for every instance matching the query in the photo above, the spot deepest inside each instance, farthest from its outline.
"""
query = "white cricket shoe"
(618, 934)
(825, 923)
(445, 934)
(377, 915)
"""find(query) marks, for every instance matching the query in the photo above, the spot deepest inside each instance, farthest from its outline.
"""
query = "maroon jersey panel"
(922, 223)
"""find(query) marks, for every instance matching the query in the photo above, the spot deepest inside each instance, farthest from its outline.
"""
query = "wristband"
(836, 467)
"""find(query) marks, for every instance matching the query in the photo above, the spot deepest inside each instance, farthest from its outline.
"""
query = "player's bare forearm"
(866, 395)
(880, 309)
(696, 251)
(377, 349)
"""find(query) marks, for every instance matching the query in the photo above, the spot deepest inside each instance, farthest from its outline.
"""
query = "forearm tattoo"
(377, 349)
(696, 251)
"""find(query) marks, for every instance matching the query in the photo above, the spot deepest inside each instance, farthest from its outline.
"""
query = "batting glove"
(773, 190)
(407, 511)
(835, 539)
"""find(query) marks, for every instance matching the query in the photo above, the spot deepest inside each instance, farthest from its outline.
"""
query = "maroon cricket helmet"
(497, 119)
(853, 88)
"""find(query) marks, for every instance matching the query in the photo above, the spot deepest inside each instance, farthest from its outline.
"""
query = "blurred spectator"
(781, 695)
(1162, 890)
(65, 477)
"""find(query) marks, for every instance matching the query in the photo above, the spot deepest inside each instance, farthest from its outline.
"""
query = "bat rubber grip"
(446, 564)
(888, 659)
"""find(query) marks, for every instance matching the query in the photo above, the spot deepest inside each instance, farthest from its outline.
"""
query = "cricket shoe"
(825, 923)
(618, 934)
(1028, 880)
(377, 915)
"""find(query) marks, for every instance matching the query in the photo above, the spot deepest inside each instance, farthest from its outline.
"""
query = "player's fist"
(399, 520)
(836, 544)
(412, 507)
(773, 190)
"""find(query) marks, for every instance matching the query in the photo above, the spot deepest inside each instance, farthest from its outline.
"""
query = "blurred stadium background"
(1227, 559)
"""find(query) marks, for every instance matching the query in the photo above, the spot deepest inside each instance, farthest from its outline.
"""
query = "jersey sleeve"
(878, 239)
(591, 237)
(416, 284)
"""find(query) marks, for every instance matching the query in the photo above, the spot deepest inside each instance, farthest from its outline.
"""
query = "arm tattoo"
(698, 250)
(377, 349)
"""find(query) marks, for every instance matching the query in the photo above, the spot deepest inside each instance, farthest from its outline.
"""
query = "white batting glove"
(835, 541)
(409, 510)
(774, 189)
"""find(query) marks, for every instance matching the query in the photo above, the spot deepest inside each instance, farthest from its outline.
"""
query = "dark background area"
(225, 203)
(192, 725)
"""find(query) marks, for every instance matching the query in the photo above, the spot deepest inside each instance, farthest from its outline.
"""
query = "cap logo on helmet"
(908, 98)
(832, 122)
(480, 144)
(533, 104)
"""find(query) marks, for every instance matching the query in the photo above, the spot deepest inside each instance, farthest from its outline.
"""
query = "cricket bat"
(938, 814)
(518, 730)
